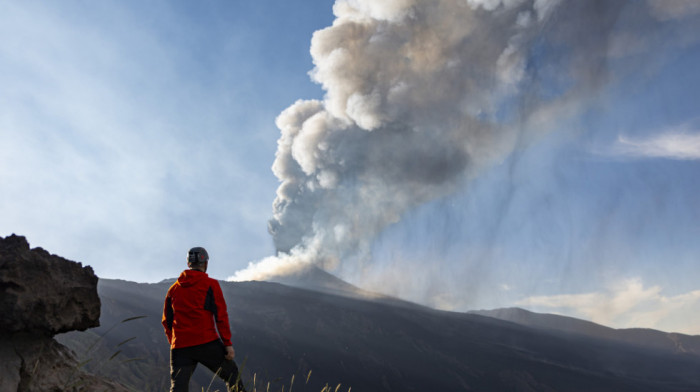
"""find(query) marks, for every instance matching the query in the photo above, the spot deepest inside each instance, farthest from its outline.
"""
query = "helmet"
(197, 255)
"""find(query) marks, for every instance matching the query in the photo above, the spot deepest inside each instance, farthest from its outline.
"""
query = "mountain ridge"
(647, 337)
(375, 345)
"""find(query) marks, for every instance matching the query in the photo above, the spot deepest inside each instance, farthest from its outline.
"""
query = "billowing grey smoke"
(420, 96)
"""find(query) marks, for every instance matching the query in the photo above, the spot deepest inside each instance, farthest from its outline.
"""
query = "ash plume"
(421, 95)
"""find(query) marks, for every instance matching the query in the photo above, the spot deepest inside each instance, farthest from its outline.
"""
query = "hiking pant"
(184, 360)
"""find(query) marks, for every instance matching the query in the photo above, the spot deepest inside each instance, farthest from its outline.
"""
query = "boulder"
(44, 293)
(41, 295)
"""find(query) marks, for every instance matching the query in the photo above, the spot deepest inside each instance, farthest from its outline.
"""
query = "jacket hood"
(190, 277)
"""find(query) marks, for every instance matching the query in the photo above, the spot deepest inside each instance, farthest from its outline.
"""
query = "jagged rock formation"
(42, 295)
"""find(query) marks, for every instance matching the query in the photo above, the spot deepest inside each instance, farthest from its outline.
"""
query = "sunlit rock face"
(42, 295)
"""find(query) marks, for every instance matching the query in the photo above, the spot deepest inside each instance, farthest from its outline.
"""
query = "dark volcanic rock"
(38, 363)
(41, 295)
(44, 293)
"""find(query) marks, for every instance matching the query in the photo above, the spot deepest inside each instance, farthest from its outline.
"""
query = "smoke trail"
(420, 96)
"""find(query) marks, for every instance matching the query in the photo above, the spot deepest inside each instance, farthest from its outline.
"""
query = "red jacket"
(193, 311)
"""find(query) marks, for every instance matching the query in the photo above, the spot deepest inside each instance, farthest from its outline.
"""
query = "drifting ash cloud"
(420, 96)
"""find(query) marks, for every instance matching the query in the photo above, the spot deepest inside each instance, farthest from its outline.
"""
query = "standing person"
(196, 324)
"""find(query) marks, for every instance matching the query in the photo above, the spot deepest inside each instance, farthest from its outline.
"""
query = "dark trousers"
(184, 360)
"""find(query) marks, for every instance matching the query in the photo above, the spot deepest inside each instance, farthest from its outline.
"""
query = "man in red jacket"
(196, 323)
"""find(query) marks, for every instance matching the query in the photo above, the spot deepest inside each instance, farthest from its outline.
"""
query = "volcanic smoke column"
(420, 95)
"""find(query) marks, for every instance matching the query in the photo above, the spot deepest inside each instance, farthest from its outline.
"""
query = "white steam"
(420, 96)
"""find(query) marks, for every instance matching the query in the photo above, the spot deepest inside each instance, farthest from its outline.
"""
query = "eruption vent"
(420, 96)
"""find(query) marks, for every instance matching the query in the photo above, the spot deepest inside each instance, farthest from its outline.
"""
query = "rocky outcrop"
(42, 295)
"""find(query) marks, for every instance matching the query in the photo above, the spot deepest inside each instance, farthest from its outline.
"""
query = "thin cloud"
(627, 304)
(677, 144)
(673, 9)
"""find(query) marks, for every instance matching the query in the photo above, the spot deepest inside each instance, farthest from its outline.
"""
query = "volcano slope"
(368, 344)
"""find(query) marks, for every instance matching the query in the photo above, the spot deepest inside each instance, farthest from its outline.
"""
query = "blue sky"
(134, 131)
(130, 132)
